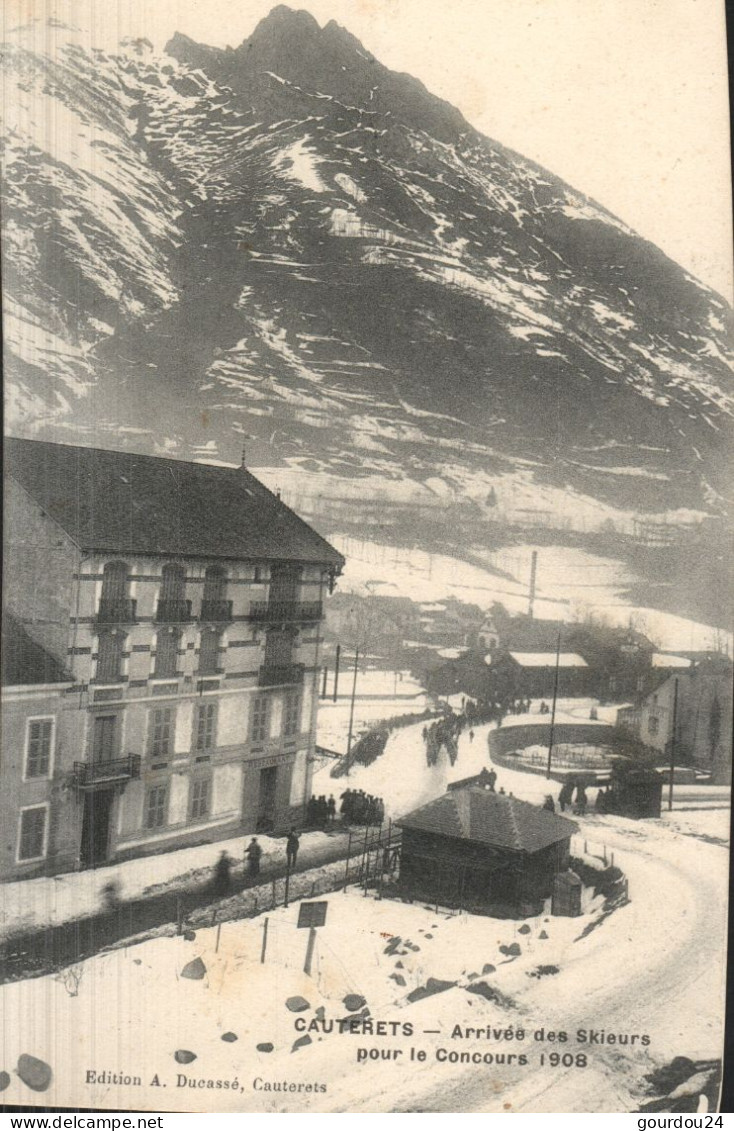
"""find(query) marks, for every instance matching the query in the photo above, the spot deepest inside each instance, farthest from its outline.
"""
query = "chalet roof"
(124, 503)
(24, 662)
(496, 819)
(668, 660)
(548, 659)
(528, 634)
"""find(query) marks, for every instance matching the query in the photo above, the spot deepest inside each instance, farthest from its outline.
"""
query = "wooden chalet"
(482, 850)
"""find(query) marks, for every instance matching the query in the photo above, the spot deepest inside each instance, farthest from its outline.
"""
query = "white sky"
(624, 99)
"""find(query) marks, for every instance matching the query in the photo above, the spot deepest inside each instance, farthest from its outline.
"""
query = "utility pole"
(672, 743)
(553, 708)
(351, 708)
(336, 669)
(533, 574)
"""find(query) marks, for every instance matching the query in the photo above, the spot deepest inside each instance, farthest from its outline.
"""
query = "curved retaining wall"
(504, 739)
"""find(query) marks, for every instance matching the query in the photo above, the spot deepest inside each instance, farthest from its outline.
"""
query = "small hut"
(481, 850)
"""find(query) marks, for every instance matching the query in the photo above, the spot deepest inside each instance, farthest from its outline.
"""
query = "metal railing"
(111, 770)
(117, 610)
(216, 610)
(265, 612)
(276, 675)
(173, 612)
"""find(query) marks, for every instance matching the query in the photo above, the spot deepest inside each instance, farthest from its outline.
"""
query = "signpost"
(311, 915)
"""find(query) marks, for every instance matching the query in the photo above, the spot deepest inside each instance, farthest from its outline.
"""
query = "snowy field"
(379, 695)
(653, 968)
(572, 584)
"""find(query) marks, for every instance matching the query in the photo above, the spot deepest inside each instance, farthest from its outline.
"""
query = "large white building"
(179, 606)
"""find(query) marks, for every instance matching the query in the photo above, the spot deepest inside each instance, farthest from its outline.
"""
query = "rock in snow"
(194, 970)
(35, 1073)
(297, 1004)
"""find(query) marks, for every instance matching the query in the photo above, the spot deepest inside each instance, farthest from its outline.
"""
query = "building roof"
(549, 659)
(124, 503)
(496, 819)
(24, 662)
(667, 660)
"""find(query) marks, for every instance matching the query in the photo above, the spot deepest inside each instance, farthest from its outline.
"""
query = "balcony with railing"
(117, 610)
(216, 611)
(103, 775)
(272, 675)
(173, 612)
(274, 612)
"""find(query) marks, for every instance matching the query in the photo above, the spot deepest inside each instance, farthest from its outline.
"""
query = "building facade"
(184, 603)
(697, 704)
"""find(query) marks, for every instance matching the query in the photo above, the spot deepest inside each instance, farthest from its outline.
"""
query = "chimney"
(243, 464)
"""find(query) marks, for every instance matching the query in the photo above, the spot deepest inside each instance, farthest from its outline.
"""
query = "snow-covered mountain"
(288, 245)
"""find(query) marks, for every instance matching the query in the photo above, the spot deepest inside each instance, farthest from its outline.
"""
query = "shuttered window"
(32, 833)
(206, 726)
(38, 748)
(155, 808)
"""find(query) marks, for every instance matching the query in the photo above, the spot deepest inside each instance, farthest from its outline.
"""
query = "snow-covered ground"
(572, 584)
(404, 781)
(653, 968)
(50, 900)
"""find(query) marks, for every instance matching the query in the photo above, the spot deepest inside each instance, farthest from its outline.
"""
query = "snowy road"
(653, 967)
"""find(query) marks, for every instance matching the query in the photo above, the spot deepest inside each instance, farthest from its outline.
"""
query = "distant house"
(164, 631)
(619, 660)
(476, 848)
(539, 674)
(703, 716)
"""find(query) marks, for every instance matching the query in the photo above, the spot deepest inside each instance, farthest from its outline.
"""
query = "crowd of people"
(443, 733)
(356, 808)
(566, 798)
(321, 811)
(360, 808)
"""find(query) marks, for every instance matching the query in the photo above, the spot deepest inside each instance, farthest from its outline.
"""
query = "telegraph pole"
(336, 669)
(553, 708)
(672, 743)
(351, 708)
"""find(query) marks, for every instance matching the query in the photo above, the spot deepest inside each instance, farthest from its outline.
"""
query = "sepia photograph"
(367, 635)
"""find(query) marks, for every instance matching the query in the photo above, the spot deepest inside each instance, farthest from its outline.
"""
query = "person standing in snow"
(253, 852)
(222, 877)
(581, 800)
(564, 797)
(291, 849)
